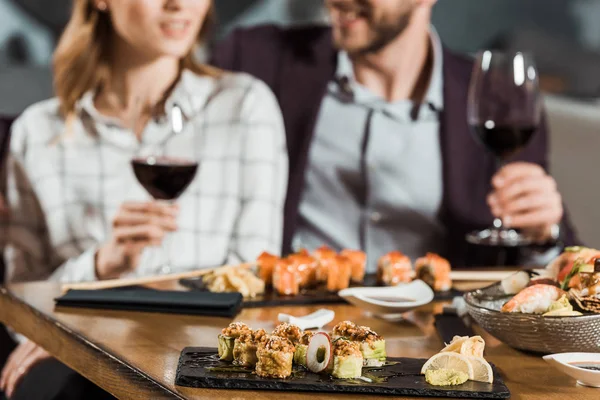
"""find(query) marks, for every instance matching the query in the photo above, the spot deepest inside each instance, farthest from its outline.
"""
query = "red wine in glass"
(504, 112)
(165, 178)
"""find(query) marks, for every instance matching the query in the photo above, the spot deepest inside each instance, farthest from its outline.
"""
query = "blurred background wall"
(564, 35)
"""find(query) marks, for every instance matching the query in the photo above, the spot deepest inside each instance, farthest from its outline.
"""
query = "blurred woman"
(127, 84)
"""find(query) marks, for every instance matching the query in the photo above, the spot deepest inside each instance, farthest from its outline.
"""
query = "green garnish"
(579, 264)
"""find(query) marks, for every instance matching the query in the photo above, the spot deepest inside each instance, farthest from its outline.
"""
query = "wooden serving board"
(318, 295)
(402, 378)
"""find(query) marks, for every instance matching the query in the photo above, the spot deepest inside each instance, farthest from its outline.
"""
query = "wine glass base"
(498, 238)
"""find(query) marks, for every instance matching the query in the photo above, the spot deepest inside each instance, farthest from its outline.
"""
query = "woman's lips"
(175, 29)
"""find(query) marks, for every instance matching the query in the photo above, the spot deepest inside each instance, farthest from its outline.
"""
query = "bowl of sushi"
(555, 311)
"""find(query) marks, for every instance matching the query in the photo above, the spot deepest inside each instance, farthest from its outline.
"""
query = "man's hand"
(526, 197)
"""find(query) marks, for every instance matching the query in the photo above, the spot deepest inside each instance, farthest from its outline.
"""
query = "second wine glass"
(504, 112)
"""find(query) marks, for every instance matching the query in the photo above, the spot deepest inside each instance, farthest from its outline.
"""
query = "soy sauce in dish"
(591, 366)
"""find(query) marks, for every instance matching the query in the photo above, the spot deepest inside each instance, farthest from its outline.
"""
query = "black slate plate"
(402, 379)
(306, 297)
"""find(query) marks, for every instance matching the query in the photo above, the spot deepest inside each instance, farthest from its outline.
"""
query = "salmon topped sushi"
(434, 271)
(306, 266)
(358, 261)
(339, 270)
(394, 268)
(286, 280)
(323, 255)
(275, 358)
(266, 264)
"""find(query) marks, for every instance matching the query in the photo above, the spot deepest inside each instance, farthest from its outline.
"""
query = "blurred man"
(381, 156)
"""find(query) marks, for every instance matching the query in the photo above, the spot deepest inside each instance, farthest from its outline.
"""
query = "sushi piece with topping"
(338, 273)
(227, 339)
(372, 345)
(394, 268)
(275, 357)
(266, 264)
(306, 266)
(302, 347)
(434, 271)
(347, 359)
(358, 261)
(288, 331)
(322, 254)
(286, 281)
(245, 346)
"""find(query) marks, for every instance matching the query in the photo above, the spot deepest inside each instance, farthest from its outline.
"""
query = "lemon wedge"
(449, 361)
(482, 371)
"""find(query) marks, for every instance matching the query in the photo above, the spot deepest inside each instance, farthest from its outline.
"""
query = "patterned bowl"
(533, 332)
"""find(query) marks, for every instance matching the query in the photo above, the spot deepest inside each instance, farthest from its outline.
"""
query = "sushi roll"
(275, 357)
(358, 261)
(302, 347)
(288, 331)
(227, 339)
(266, 264)
(372, 345)
(339, 271)
(286, 281)
(434, 271)
(306, 266)
(322, 255)
(394, 268)
(344, 329)
(245, 346)
(347, 359)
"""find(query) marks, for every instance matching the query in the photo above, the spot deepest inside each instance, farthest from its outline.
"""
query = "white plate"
(389, 302)
(584, 377)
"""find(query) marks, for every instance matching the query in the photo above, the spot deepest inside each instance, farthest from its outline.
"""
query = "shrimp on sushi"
(434, 271)
(394, 268)
(535, 299)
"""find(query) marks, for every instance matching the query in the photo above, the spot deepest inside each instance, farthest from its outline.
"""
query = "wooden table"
(134, 355)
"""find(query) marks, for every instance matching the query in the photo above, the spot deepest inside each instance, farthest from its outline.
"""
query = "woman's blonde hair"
(82, 59)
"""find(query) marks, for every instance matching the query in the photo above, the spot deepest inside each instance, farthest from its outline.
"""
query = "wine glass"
(164, 177)
(504, 112)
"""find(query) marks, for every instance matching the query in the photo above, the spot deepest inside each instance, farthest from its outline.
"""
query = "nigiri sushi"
(358, 260)
(394, 268)
(434, 271)
(535, 299)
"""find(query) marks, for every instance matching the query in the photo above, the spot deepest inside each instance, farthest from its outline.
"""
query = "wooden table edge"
(122, 380)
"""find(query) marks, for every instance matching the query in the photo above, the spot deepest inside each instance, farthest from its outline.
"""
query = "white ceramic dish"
(389, 302)
(563, 362)
(316, 320)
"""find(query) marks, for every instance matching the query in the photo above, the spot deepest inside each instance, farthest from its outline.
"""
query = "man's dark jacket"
(298, 63)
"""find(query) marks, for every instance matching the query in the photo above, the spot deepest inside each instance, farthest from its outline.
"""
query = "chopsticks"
(147, 280)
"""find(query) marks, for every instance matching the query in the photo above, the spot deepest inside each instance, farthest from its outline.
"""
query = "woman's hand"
(135, 227)
(20, 362)
(526, 197)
